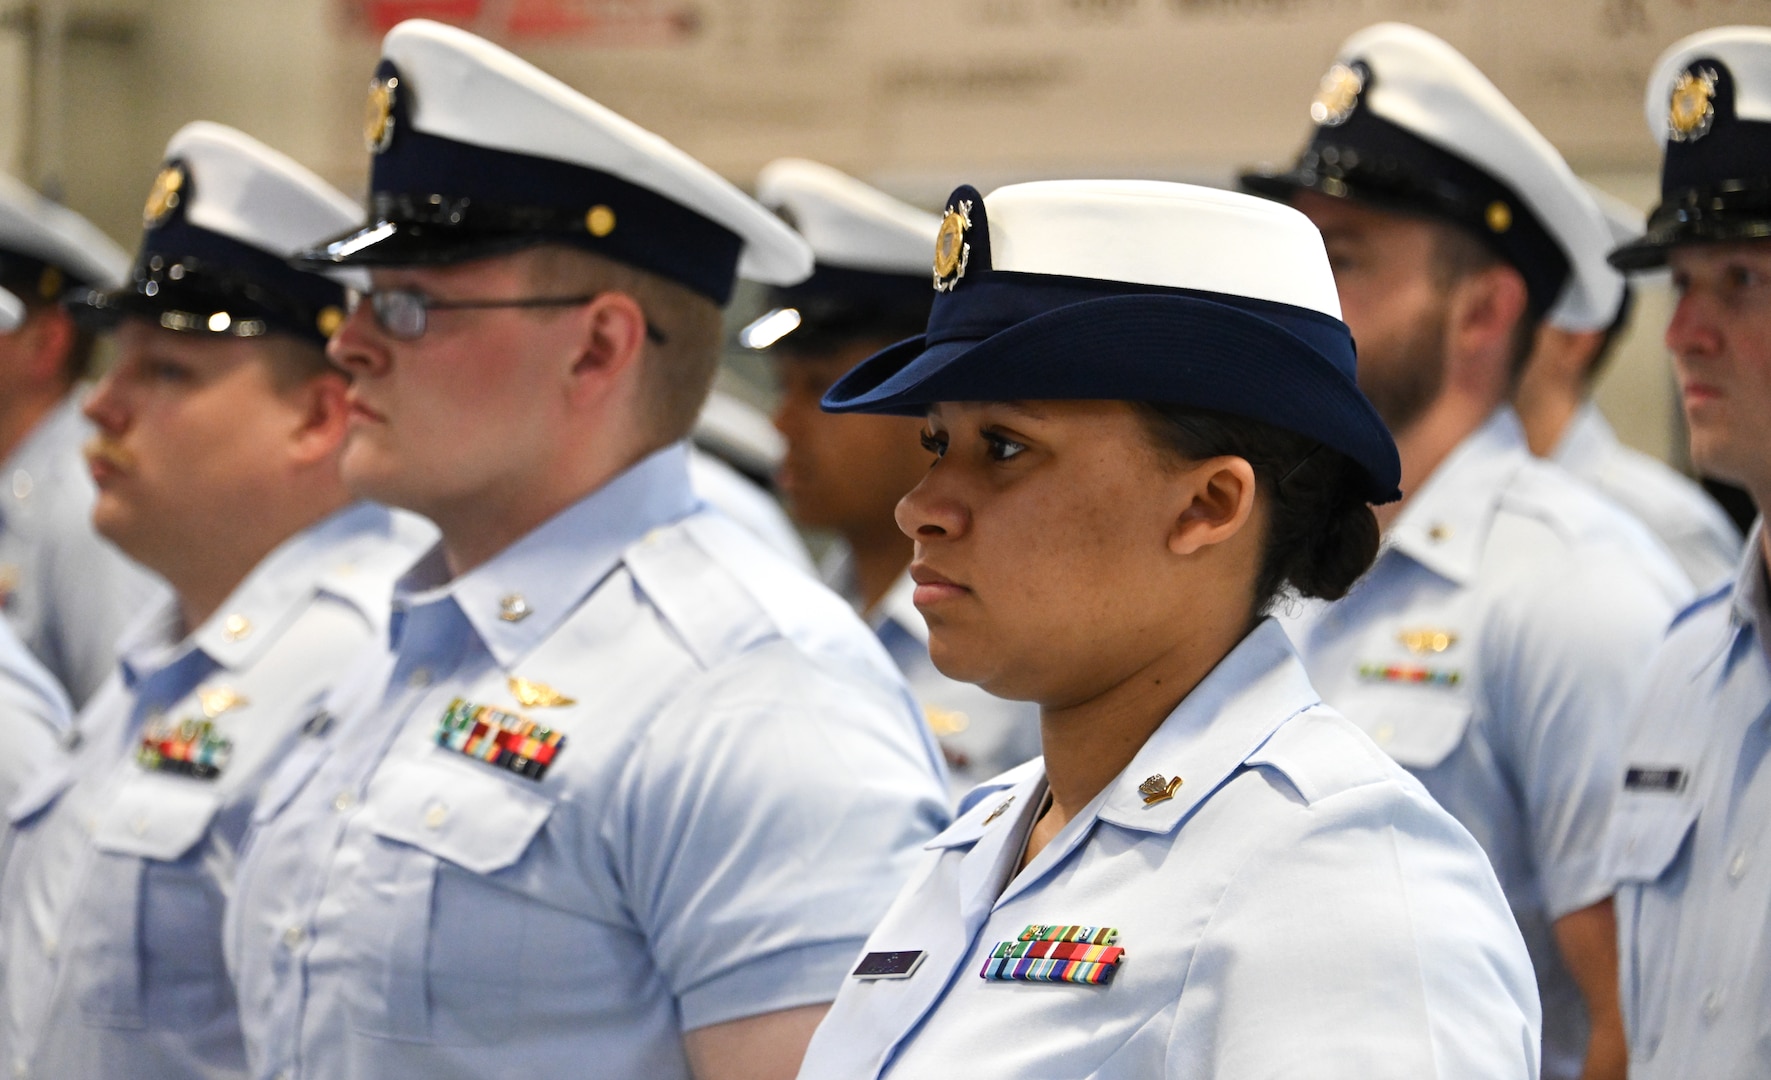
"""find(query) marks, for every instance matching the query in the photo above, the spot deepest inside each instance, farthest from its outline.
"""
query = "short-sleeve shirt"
(633, 776)
(730, 491)
(35, 718)
(111, 907)
(1690, 843)
(66, 590)
(1681, 515)
(1297, 906)
(1494, 650)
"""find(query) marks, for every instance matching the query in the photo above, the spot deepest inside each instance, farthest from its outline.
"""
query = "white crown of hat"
(740, 431)
(467, 89)
(1623, 224)
(1746, 50)
(248, 192)
(1425, 86)
(848, 223)
(1152, 232)
(35, 226)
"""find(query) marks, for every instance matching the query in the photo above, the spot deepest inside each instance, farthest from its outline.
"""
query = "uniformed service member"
(1688, 840)
(220, 429)
(630, 790)
(1501, 636)
(67, 591)
(35, 717)
(1563, 423)
(733, 452)
(869, 288)
(1141, 399)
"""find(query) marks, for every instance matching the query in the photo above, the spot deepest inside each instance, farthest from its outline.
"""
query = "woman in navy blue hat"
(1146, 430)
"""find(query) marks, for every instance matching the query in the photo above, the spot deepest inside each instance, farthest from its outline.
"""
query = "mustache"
(99, 448)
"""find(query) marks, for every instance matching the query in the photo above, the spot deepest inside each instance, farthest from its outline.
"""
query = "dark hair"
(1321, 534)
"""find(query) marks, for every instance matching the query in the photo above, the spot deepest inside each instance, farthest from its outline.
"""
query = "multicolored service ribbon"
(500, 738)
(1057, 953)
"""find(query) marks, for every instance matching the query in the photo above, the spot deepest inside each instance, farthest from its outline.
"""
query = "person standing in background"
(220, 430)
(1502, 634)
(67, 591)
(869, 288)
(1563, 423)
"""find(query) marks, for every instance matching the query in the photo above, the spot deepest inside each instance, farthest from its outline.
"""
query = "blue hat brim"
(1162, 349)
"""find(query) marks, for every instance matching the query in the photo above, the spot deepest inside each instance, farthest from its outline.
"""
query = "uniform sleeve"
(1366, 940)
(1575, 652)
(762, 828)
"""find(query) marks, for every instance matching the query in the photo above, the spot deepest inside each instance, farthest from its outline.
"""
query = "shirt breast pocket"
(1418, 727)
(1648, 854)
(457, 930)
(145, 947)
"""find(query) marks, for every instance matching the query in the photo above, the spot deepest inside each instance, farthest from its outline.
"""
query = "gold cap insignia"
(378, 114)
(537, 695)
(1692, 108)
(1158, 788)
(330, 318)
(951, 251)
(1421, 642)
(219, 700)
(1337, 95)
(600, 221)
(51, 282)
(1499, 216)
(164, 196)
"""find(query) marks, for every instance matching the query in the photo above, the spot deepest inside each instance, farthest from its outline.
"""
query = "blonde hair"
(675, 376)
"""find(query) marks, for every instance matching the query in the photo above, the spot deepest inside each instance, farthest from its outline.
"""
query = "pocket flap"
(156, 817)
(1418, 728)
(39, 791)
(1645, 836)
(469, 816)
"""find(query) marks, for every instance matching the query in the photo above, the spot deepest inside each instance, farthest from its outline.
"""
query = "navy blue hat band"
(1371, 159)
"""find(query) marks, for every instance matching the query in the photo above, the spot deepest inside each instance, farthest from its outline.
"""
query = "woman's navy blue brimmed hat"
(1134, 291)
(1709, 105)
(223, 215)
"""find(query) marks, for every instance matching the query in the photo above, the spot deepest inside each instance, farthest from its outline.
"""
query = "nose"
(359, 348)
(104, 406)
(930, 511)
(1692, 332)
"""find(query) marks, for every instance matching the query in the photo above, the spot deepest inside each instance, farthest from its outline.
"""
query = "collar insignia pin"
(514, 608)
(996, 813)
(1158, 789)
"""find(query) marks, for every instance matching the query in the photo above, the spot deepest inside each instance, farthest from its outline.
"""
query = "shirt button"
(419, 677)
(344, 801)
(1737, 866)
(293, 937)
(435, 815)
(1712, 1004)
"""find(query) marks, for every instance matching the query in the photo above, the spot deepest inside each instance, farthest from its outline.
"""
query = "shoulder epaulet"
(1719, 593)
(1321, 753)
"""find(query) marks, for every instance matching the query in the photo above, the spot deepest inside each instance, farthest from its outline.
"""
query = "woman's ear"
(1218, 500)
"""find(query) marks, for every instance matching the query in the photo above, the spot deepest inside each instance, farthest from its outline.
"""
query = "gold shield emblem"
(1691, 109)
(952, 253)
(378, 114)
(1337, 95)
(164, 196)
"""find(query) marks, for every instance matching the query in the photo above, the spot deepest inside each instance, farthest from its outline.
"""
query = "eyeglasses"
(403, 313)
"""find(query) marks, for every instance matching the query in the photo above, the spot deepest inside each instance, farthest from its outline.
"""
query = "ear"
(1218, 496)
(1485, 307)
(614, 339)
(322, 419)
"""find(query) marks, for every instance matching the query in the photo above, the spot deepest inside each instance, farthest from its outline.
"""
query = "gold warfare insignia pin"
(164, 196)
(220, 699)
(1158, 788)
(538, 695)
(945, 721)
(1422, 642)
(1692, 108)
(1337, 95)
(951, 251)
(378, 114)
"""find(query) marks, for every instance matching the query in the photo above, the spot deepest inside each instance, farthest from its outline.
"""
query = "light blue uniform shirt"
(111, 906)
(1690, 844)
(34, 719)
(980, 734)
(731, 492)
(741, 790)
(1299, 907)
(1528, 607)
(1674, 507)
(66, 590)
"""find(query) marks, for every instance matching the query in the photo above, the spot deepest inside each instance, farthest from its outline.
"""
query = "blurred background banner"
(911, 95)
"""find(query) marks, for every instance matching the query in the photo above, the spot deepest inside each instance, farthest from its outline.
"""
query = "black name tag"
(1654, 778)
(888, 965)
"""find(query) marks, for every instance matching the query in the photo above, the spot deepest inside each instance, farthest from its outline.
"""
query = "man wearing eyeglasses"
(629, 792)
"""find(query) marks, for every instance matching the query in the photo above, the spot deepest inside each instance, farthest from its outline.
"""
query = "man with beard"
(1688, 841)
(1500, 637)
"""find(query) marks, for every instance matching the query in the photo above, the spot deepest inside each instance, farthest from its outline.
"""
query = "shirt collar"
(1750, 598)
(1585, 441)
(520, 597)
(1445, 524)
(260, 608)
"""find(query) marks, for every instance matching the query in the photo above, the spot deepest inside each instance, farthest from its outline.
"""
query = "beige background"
(915, 95)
